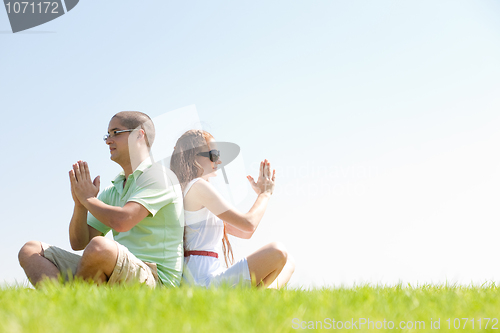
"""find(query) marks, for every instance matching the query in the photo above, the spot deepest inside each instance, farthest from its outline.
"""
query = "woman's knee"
(279, 251)
(290, 262)
(29, 249)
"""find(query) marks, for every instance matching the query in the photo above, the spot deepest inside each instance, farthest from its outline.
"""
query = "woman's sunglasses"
(213, 155)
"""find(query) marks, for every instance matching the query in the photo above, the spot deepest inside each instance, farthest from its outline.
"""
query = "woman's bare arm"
(239, 224)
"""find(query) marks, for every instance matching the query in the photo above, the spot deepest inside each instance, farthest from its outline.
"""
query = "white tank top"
(203, 230)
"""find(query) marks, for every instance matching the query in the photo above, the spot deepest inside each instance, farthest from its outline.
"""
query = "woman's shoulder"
(190, 185)
(203, 194)
(201, 185)
(197, 194)
(199, 188)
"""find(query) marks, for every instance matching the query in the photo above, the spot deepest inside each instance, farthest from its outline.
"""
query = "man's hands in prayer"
(82, 186)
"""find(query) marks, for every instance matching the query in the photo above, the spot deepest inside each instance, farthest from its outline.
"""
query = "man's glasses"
(213, 155)
(115, 133)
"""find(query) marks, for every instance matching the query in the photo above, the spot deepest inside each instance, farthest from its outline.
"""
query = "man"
(143, 208)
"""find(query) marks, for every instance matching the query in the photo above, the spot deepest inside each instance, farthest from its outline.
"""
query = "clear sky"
(381, 118)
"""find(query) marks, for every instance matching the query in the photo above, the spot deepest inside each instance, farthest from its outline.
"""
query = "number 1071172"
(461, 323)
(27, 7)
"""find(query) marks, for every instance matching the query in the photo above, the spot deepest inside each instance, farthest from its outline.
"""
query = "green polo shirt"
(159, 237)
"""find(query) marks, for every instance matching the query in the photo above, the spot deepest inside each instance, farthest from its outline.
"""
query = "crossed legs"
(97, 261)
(270, 266)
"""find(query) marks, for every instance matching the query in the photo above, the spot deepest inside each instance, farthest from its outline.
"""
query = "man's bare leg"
(98, 260)
(35, 265)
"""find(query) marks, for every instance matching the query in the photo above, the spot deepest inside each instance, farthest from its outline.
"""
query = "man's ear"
(142, 134)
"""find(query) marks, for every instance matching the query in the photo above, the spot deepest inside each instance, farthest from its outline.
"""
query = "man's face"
(118, 143)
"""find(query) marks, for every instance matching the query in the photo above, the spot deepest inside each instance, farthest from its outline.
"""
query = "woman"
(209, 219)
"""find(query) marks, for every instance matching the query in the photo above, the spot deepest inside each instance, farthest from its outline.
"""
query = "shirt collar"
(140, 169)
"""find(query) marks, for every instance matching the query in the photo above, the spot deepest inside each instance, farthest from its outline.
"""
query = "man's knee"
(28, 250)
(100, 248)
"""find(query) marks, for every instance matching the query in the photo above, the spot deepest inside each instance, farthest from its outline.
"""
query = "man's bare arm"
(80, 233)
(120, 219)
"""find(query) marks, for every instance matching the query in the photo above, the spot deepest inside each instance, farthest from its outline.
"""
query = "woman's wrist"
(265, 194)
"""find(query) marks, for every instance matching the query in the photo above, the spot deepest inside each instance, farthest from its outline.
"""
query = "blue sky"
(381, 118)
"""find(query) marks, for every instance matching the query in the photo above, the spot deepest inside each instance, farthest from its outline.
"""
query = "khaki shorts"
(127, 269)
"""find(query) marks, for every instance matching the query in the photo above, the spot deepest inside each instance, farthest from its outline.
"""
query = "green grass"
(81, 307)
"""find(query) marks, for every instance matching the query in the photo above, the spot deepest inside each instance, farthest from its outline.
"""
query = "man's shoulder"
(157, 176)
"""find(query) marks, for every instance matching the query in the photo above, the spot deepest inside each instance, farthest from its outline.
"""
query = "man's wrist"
(87, 202)
(80, 208)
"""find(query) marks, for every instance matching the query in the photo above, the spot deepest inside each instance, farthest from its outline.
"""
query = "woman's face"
(209, 167)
